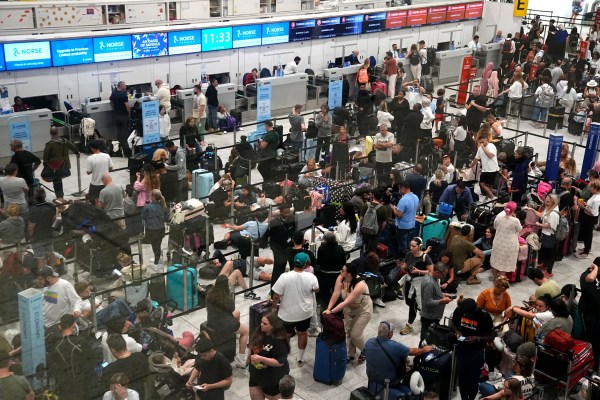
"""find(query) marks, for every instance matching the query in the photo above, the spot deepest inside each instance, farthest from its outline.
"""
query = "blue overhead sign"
(112, 48)
(216, 39)
(246, 36)
(27, 55)
(276, 33)
(185, 42)
(149, 45)
(72, 52)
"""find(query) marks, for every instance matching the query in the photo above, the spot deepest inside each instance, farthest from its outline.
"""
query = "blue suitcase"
(330, 362)
(434, 228)
(202, 181)
(175, 286)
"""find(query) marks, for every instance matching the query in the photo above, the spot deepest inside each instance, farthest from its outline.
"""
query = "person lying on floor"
(254, 229)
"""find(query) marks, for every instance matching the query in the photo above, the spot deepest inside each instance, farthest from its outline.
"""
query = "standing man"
(26, 162)
(293, 294)
(589, 304)
(383, 143)
(56, 152)
(369, 240)
(280, 232)
(163, 94)
(474, 328)
(423, 53)
(41, 218)
(364, 101)
(98, 163)
(199, 110)
(486, 153)
(474, 44)
(268, 151)
(292, 66)
(111, 200)
(476, 106)
(212, 372)
(395, 51)
(508, 49)
(121, 112)
(176, 163)
(390, 69)
(59, 297)
(297, 128)
(405, 213)
(212, 100)
(433, 301)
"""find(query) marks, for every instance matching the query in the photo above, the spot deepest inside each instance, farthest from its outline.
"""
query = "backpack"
(363, 75)
(546, 95)
(559, 341)
(563, 228)
(311, 130)
(228, 124)
(87, 128)
(507, 46)
(573, 40)
(369, 225)
(415, 58)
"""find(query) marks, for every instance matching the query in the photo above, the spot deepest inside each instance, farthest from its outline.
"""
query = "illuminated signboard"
(396, 19)
(216, 39)
(416, 17)
(185, 42)
(373, 23)
(27, 55)
(150, 45)
(455, 12)
(350, 25)
(301, 30)
(436, 15)
(112, 48)
(278, 32)
(326, 28)
(474, 10)
(246, 36)
(72, 52)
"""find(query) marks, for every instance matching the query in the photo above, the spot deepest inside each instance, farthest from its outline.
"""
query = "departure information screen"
(302, 30)
(351, 25)
(373, 23)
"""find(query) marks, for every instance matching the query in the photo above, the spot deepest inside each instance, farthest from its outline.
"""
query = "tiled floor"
(566, 271)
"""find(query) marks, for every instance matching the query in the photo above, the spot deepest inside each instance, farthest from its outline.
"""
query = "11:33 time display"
(216, 39)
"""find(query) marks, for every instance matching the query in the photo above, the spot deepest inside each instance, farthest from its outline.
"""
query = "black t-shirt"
(262, 375)
(478, 323)
(417, 183)
(291, 253)
(25, 161)
(565, 201)
(331, 257)
(212, 97)
(136, 368)
(42, 215)
(473, 114)
(213, 371)
(590, 295)
(118, 99)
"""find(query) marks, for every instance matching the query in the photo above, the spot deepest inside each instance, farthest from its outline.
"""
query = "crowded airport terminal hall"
(308, 200)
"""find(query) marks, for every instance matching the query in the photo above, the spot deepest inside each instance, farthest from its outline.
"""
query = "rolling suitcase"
(454, 230)
(330, 362)
(362, 393)
(434, 228)
(427, 83)
(202, 181)
(280, 172)
(257, 311)
(437, 245)
(175, 293)
(279, 130)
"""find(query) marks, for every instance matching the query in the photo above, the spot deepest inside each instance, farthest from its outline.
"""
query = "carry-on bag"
(434, 228)
(202, 181)
(330, 362)
(257, 311)
(175, 293)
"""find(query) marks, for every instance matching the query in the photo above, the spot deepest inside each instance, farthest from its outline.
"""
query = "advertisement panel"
(185, 42)
(276, 33)
(150, 45)
(72, 52)
(112, 48)
(246, 36)
(27, 55)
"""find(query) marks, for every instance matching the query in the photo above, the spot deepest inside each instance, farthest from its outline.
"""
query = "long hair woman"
(154, 215)
(345, 232)
(146, 184)
(549, 219)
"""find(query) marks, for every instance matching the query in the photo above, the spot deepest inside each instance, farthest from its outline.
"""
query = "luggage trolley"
(564, 370)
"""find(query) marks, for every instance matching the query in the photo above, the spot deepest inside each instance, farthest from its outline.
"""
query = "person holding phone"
(212, 373)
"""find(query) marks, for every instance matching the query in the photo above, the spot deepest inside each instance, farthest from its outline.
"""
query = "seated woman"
(484, 243)
(188, 134)
(222, 316)
(226, 182)
(496, 300)
(523, 373)
(226, 122)
(244, 198)
(540, 314)
(310, 170)
(448, 283)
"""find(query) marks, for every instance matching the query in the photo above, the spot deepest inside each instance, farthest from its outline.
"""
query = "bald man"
(111, 200)
(163, 94)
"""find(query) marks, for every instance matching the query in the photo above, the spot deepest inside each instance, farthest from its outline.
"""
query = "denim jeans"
(323, 144)
(403, 238)
(212, 117)
(116, 309)
(486, 389)
(539, 113)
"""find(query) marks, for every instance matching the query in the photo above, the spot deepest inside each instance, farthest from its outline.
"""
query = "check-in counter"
(102, 113)
(286, 91)
(491, 52)
(226, 93)
(450, 63)
(186, 96)
(350, 73)
(40, 122)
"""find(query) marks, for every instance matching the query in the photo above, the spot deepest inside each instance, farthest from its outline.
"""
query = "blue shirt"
(450, 196)
(254, 229)
(379, 366)
(408, 204)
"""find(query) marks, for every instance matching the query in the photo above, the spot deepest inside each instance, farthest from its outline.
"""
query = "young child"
(439, 108)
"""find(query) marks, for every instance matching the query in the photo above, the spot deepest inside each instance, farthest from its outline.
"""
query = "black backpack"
(311, 130)
(507, 46)
(415, 58)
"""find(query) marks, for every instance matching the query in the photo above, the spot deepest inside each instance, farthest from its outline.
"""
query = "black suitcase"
(280, 172)
(287, 157)
(555, 117)
(327, 215)
(279, 130)
(340, 154)
(362, 393)
(575, 128)
(427, 83)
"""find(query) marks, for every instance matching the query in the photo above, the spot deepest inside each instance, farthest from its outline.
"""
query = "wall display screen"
(455, 12)
(276, 33)
(27, 55)
(246, 36)
(72, 52)
(185, 42)
(2, 66)
(301, 30)
(373, 23)
(416, 17)
(436, 15)
(474, 10)
(150, 45)
(216, 39)
(326, 28)
(112, 48)
(396, 19)
(350, 25)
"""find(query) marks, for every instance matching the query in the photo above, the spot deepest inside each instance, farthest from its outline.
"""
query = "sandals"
(361, 359)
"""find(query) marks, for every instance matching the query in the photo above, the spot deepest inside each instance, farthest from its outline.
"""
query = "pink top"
(139, 187)
(596, 166)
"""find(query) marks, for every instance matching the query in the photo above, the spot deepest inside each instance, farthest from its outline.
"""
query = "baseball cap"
(301, 259)
(204, 345)
(47, 271)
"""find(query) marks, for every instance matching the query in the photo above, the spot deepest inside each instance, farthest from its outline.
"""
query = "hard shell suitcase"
(434, 228)
(279, 130)
(330, 362)
(555, 118)
(519, 273)
(175, 286)
(280, 171)
(362, 393)
(202, 181)
(257, 311)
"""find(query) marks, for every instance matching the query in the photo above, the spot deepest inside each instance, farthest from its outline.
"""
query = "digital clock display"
(216, 39)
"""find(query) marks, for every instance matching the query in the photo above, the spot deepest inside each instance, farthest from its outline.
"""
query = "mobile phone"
(104, 364)
(461, 338)
(537, 321)
(199, 387)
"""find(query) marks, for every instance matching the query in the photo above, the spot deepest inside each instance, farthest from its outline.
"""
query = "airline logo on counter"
(276, 33)
(185, 42)
(112, 48)
(27, 55)
(246, 36)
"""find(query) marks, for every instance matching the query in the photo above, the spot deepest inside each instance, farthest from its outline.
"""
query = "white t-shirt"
(86, 305)
(460, 134)
(553, 219)
(163, 95)
(290, 68)
(296, 291)
(199, 100)
(488, 164)
(98, 164)
(165, 126)
(423, 54)
(594, 203)
(475, 46)
(384, 155)
(59, 299)
(516, 90)
(319, 232)
(344, 236)
(132, 347)
(449, 177)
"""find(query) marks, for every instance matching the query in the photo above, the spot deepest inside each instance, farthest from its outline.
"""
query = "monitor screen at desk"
(339, 61)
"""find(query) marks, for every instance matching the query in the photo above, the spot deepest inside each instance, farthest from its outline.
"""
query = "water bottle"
(134, 93)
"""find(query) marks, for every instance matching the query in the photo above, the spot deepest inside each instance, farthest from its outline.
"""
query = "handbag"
(400, 367)
(56, 169)
(548, 241)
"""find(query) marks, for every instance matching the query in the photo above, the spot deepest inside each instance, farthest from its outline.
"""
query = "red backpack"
(559, 340)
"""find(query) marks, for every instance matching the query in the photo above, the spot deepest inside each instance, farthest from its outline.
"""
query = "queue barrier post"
(93, 310)
(232, 210)
(207, 240)
(185, 288)
(140, 255)
(80, 192)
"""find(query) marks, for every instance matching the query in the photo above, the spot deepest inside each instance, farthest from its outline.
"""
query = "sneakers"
(379, 303)
(314, 332)
(251, 295)
(473, 281)
(240, 362)
(582, 256)
(406, 330)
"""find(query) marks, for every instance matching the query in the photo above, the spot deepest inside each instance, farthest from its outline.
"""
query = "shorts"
(298, 326)
(488, 178)
(42, 249)
(440, 117)
(241, 265)
(268, 390)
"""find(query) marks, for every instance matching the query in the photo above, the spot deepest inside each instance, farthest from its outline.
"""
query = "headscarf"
(485, 75)
(493, 83)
